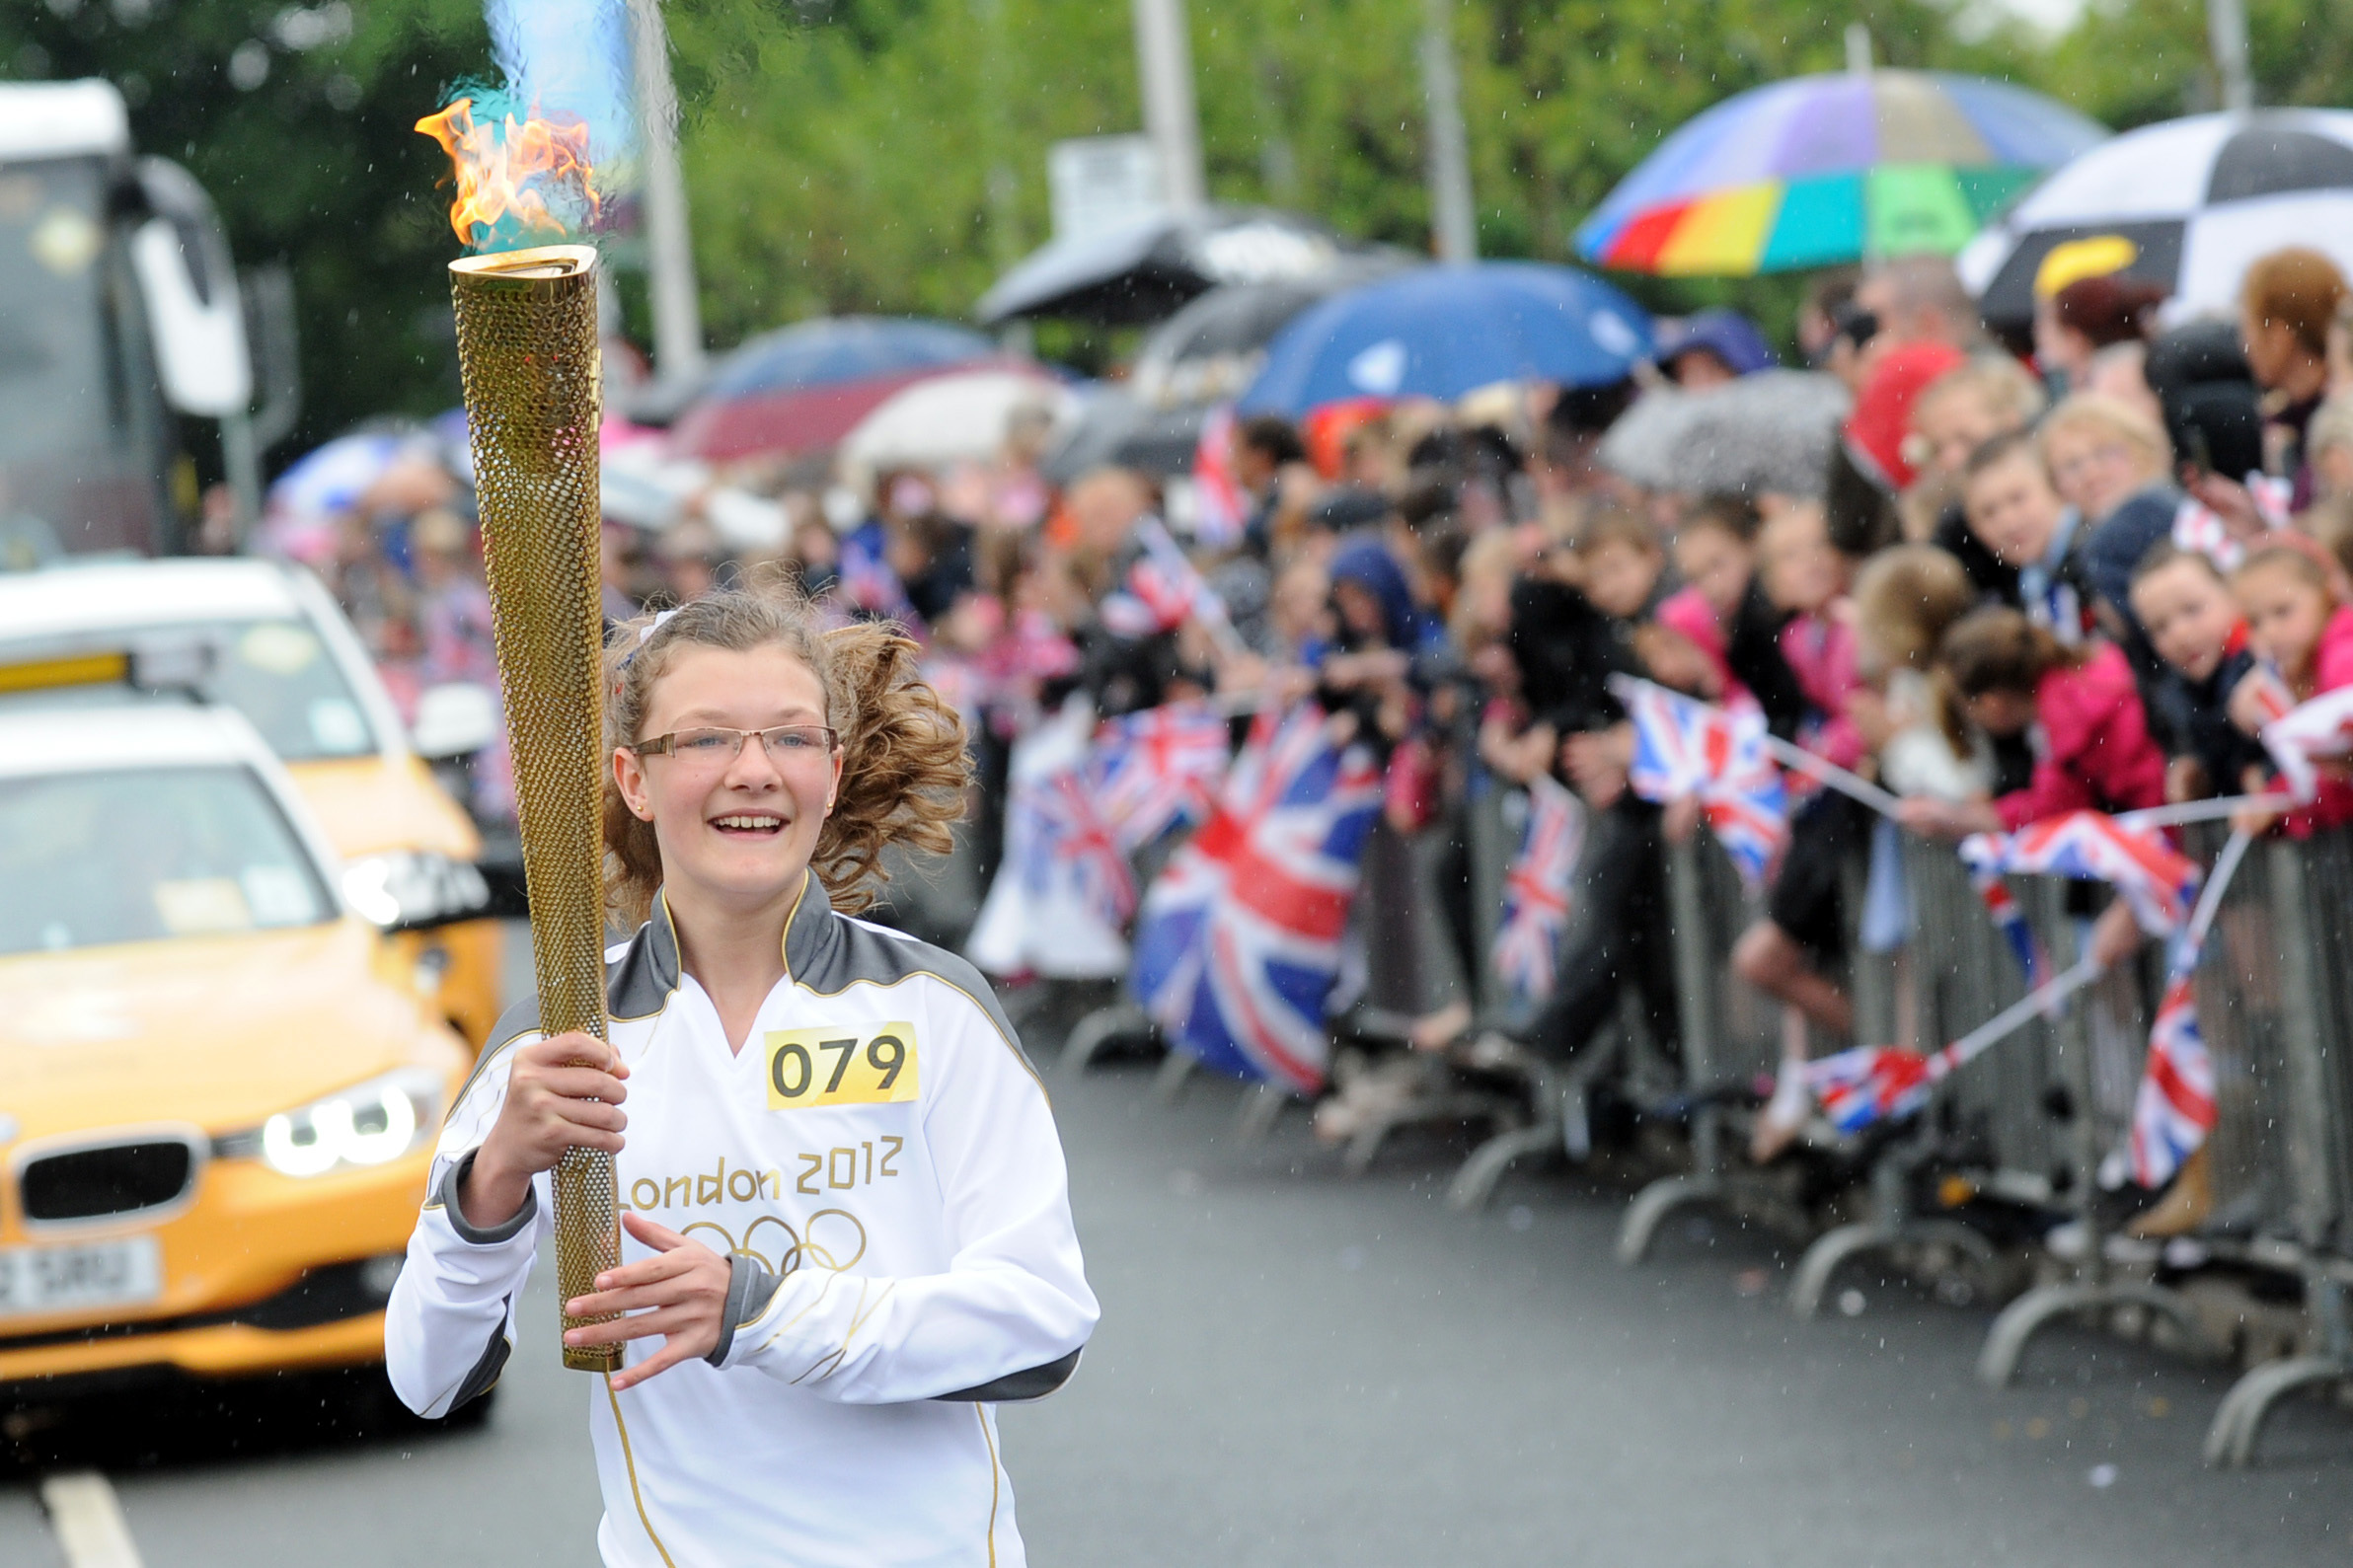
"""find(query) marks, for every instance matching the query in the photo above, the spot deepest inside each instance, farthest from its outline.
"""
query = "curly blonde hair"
(904, 767)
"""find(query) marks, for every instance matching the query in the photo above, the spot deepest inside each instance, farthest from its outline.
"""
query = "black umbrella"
(1211, 349)
(1116, 430)
(1143, 272)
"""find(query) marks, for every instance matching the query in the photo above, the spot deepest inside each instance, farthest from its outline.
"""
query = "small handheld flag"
(1536, 889)
(1684, 748)
(2156, 880)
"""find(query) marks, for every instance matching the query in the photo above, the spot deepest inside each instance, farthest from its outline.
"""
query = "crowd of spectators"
(2034, 576)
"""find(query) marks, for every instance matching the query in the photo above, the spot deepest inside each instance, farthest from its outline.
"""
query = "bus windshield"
(70, 442)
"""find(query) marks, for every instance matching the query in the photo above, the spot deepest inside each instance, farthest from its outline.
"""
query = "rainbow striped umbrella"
(1820, 169)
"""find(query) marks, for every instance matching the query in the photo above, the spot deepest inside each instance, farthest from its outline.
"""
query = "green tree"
(889, 155)
(2132, 64)
(843, 163)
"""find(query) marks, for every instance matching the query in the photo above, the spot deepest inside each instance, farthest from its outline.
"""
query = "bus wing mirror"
(191, 291)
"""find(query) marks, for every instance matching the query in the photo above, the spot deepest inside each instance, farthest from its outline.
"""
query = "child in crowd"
(2018, 516)
(1567, 643)
(2112, 463)
(1786, 954)
(2296, 622)
(2095, 752)
(1967, 407)
(2328, 448)
(1722, 611)
(1958, 412)
(1906, 599)
(2185, 607)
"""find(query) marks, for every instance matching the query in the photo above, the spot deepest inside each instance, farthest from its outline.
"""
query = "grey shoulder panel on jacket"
(638, 983)
(855, 951)
(520, 1019)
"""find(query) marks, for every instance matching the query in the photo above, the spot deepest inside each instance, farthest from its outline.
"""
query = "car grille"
(120, 1178)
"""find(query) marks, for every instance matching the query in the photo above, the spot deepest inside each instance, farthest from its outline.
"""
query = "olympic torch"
(528, 357)
(527, 353)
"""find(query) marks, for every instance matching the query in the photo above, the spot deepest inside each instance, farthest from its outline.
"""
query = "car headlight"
(367, 1124)
(409, 889)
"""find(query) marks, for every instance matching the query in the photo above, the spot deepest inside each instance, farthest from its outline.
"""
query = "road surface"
(1299, 1368)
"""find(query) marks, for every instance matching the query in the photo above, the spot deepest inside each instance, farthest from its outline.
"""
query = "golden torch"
(527, 353)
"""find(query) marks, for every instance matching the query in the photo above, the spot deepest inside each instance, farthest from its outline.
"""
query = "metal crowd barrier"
(2283, 1152)
(1730, 1042)
(1994, 1184)
(2028, 1124)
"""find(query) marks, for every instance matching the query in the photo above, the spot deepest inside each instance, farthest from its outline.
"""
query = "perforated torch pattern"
(527, 350)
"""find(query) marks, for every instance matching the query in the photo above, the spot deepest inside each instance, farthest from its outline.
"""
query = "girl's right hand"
(561, 1092)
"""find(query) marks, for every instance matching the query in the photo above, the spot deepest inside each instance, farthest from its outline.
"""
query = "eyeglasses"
(717, 748)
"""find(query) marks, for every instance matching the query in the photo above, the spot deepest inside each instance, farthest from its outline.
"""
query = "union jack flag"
(866, 583)
(1874, 1082)
(1063, 886)
(2156, 879)
(1238, 940)
(1537, 888)
(1058, 838)
(2299, 738)
(1220, 507)
(1684, 747)
(2174, 1109)
(2010, 921)
(1870, 1084)
(1163, 590)
(1152, 769)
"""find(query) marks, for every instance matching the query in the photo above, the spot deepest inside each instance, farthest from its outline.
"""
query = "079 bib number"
(850, 1065)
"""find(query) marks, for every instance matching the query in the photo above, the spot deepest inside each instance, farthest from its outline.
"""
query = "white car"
(264, 640)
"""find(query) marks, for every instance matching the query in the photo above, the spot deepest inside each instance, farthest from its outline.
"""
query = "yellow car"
(267, 641)
(220, 1089)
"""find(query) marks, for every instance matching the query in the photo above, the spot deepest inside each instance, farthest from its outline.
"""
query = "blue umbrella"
(1439, 332)
(838, 348)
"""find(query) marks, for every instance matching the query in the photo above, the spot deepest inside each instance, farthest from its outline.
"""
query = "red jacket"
(2096, 754)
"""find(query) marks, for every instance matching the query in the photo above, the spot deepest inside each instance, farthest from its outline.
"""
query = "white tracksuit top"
(881, 1163)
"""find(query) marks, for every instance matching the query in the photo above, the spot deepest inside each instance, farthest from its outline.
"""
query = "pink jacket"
(2097, 753)
(2332, 660)
(1821, 653)
(2333, 668)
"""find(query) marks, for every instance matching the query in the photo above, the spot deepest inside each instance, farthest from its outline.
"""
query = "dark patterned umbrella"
(2192, 202)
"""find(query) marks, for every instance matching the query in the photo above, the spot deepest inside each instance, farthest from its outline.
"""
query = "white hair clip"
(653, 626)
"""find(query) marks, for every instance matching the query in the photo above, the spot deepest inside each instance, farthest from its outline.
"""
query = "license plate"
(57, 1279)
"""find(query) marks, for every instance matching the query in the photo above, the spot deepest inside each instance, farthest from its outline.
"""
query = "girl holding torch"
(847, 1230)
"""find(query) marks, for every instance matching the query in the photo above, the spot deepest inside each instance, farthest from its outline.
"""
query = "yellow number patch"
(853, 1065)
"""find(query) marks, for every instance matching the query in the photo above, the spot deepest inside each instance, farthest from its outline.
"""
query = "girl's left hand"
(686, 1285)
(1932, 819)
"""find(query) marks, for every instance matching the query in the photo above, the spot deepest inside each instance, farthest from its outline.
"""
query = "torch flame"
(507, 170)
